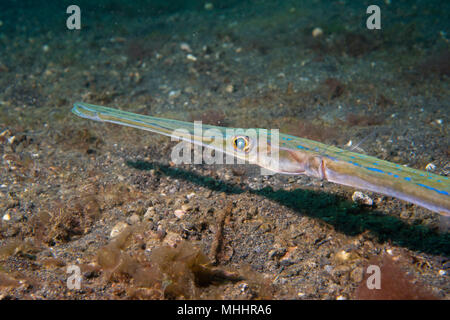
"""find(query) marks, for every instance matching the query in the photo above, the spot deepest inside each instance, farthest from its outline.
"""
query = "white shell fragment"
(117, 229)
(362, 198)
(430, 167)
(191, 57)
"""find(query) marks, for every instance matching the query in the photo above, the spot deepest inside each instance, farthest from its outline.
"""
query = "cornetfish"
(296, 156)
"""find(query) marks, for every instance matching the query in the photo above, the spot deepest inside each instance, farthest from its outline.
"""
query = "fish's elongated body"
(298, 156)
(365, 172)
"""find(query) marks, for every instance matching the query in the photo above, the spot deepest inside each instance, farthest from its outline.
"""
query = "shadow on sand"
(342, 214)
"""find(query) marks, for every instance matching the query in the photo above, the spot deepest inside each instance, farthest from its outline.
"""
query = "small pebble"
(179, 213)
(186, 207)
(405, 215)
(328, 268)
(5, 133)
(209, 6)
(6, 217)
(430, 167)
(174, 94)
(149, 213)
(243, 286)
(442, 272)
(342, 256)
(357, 274)
(161, 232)
(317, 32)
(265, 227)
(45, 48)
(134, 219)
(185, 47)
(190, 195)
(229, 88)
(172, 239)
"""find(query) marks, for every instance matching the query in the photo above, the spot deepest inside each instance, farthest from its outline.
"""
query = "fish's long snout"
(82, 110)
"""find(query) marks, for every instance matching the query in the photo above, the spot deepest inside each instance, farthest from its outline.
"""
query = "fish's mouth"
(82, 110)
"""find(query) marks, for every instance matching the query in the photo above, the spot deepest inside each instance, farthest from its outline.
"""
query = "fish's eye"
(241, 143)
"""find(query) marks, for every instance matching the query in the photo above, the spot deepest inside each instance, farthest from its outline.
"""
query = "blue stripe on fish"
(434, 189)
